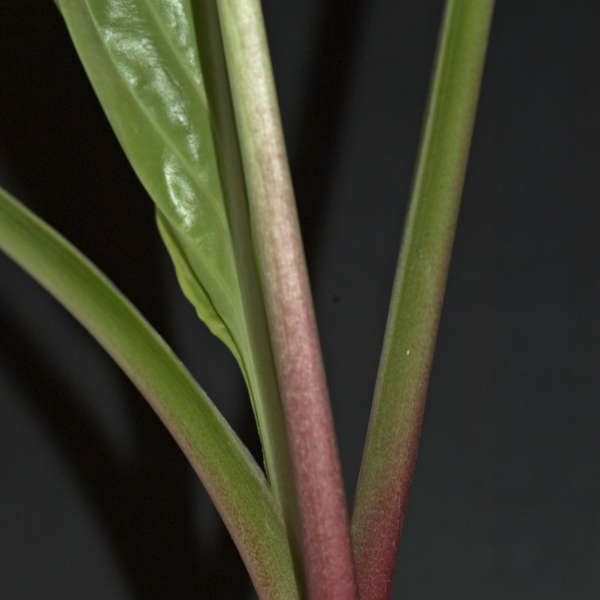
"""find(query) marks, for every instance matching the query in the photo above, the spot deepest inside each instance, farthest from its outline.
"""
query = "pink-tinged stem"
(234, 481)
(322, 508)
(417, 297)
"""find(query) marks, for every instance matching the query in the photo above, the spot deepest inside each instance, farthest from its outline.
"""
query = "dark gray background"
(95, 499)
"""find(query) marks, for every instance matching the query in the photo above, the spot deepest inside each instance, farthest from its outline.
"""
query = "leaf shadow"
(314, 152)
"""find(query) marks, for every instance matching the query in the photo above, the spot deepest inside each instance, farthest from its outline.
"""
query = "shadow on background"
(143, 506)
(314, 154)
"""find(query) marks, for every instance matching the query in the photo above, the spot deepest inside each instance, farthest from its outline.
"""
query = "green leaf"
(232, 478)
(192, 288)
(143, 61)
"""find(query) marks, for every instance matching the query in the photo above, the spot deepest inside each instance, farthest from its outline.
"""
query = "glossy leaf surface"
(140, 59)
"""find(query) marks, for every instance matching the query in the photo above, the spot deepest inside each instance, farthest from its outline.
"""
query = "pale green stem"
(269, 410)
(320, 494)
(417, 296)
(232, 478)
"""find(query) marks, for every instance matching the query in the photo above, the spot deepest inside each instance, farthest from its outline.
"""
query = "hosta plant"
(188, 90)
